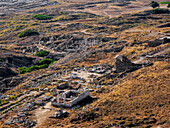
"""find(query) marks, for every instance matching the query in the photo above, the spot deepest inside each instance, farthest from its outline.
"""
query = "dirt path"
(43, 114)
(158, 53)
(104, 12)
(88, 33)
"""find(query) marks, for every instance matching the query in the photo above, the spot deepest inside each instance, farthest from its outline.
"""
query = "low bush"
(168, 5)
(42, 53)
(45, 61)
(32, 68)
(36, 67)
(3, 102)
(164, 2)
(23, 70)
(154, 4)
(159, 11)
(43, 66)
(27, 32)
(42, 17)
(1, 60)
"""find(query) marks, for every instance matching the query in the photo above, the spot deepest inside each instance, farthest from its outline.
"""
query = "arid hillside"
(92, 64)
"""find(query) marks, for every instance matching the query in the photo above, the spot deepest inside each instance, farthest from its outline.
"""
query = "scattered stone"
(59, 114)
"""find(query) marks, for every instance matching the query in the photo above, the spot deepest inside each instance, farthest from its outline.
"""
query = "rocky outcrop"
(8, 77)
(159, 41)
(122, 63)
(18, 61)
(5, 71)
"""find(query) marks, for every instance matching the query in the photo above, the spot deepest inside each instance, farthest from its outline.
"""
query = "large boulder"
(122, 63)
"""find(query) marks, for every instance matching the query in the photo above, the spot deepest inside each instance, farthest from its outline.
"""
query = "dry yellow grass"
(140, 99)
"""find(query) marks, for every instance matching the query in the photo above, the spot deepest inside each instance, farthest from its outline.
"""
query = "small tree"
(154, 4)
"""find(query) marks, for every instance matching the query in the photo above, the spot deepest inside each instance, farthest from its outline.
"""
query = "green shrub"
(42, 17)
(159, 11)
(168, 5)
(53, 62)
(154, 4)
(43, 66)
(34, 67)
(45, 61)
(164, 2)
(42, 53)
(1, 60)
(23, 70)
(28, 32)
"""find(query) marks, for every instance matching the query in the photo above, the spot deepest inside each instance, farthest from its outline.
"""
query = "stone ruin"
(122, 63)
(70, 98)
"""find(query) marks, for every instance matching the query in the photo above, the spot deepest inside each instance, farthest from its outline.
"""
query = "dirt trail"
(43, 114)
(158, 53)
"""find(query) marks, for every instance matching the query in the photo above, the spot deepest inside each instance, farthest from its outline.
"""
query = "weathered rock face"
(159, 41)
(5, 80)
(6, 72)
(17, 61)
(8, 77)
(122, 63)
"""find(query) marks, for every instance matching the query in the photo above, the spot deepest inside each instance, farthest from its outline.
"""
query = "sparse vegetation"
(1, 60)
(154, 4)
(168, 6)
(159, 11)
(3, 102)
(85, 43)
(27, 32)
(42, 53)
(164, 2)
(23, 70)
(42, 17)
(44, 63)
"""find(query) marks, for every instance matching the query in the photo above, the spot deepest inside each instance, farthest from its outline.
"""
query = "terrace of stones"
(48, 86)
(43, 88)
(20, 5)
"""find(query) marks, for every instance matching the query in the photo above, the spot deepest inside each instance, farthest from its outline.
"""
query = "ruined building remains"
(70, 98)
(122, 63)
